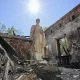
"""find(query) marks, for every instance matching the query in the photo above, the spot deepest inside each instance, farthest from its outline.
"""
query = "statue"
(38, 37)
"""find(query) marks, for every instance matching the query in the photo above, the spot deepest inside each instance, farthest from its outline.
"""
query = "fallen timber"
(11, 58)
(11, 52)
(10, 55)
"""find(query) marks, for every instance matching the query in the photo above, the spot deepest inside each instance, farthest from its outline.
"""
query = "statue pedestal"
(38, 55)
(47, 58)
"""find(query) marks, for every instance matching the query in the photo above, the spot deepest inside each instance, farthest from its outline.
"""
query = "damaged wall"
(74, 45)
(22, 47)
(67, 26)
(21, 44)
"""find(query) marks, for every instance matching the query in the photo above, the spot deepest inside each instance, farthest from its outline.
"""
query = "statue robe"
(38, 37)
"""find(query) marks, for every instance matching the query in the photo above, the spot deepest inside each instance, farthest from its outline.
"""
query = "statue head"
(37, 21)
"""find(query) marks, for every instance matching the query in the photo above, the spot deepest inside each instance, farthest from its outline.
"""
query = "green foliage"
(2, 28)
(64, 43)
(10, 31)
(45, 28)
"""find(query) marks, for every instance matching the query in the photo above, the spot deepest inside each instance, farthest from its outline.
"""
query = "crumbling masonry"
(67, 27)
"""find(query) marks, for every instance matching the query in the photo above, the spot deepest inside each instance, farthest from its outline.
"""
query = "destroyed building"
(22, 44)
(14, 50)
(63, 37)
(62, 43)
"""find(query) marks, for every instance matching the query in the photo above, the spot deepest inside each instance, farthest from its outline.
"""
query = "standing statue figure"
(38, 37)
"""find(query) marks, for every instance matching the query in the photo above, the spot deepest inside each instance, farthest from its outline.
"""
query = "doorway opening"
(63, 46)
(63, 52)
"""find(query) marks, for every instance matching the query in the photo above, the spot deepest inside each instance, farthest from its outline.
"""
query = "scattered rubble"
(16, 52)
(69, 73)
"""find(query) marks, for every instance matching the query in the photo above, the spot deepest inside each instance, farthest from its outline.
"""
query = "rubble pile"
(25, 72)
(9, 72)
(19, 72)
(33, 69)
(28, 77)
(2, 62)
(69, 73)
(46, 71)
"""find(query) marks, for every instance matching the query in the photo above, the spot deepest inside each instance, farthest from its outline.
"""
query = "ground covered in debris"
(69, 73)
(41, 71)
(47, 72)
(37, 70)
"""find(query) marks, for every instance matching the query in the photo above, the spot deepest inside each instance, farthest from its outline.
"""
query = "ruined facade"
(62, 39)
(14, 51)
(68, 27)
(21, 44)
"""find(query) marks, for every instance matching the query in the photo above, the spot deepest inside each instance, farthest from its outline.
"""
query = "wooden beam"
(7, 67)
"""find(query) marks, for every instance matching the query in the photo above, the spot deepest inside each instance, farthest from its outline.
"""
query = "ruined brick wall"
(22, 47)
(68, 25)
(74, 45)
(75, 12)
(21, 44)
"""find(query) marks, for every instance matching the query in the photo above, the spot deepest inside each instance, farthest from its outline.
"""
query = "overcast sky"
(15, 13)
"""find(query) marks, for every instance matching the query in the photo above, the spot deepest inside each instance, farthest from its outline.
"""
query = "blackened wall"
(67, 26)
